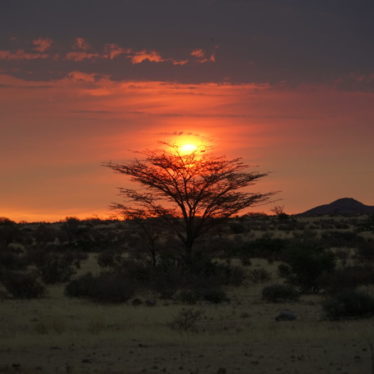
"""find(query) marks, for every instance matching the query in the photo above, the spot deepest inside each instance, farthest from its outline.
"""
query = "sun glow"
(188, 148)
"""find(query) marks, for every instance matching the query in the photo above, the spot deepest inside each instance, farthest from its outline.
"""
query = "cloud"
(42, 44)
(111, 51)
(79, 76)
(141, 56)
(356, 82)
(20, 54)
(79, 56)
(81, 43)
(202, 56)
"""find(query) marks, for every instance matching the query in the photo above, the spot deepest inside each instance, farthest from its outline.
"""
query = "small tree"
(190, 192)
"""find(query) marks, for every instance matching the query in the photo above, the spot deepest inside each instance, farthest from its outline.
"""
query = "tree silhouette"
(190, 192)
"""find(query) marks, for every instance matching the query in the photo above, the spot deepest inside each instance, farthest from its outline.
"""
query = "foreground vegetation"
(135, 316)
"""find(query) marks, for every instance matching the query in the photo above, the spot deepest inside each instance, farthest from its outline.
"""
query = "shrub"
(347, 278)
(168, 278)
(349, 304)
(81, 287)
(187, 296)
(56, 269)
(259, 275)
(246, 261)
(237, 228)
(187, 320)
(109, 259)
(265, 247)
(280, 292)
(214, 295)
(106, 287)
(341, 238)
(12, 259)
(23, 285)
(365, 251)
(306, 262)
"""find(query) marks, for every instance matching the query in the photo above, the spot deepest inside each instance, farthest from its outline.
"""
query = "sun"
(187, 148)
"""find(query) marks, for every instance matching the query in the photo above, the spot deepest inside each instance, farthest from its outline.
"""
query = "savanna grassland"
(166, 330)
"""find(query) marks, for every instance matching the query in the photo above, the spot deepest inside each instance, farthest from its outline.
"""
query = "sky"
(288, 85)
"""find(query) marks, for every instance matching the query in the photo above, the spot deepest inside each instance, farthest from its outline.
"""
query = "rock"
(286, 315)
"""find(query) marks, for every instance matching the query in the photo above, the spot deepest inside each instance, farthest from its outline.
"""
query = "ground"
(57, 334)
(61, 335)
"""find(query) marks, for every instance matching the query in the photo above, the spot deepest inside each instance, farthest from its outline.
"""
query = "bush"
(280, 292)
(265, 247)
(347, 278)
(56, 269)
(349, 304)
(306, 262)
(23, 285)
(81, 287)
(237, 228)
(168, 278)
(365, 251)
(109, 259)
(259, 275)
(341, 238)
(214, 295)
(12, 259)
(187, 296)
(192, 296)
(187, 320)
(246, 261)
(106, 287)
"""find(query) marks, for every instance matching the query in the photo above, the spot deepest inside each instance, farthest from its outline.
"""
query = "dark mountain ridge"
(345, 207)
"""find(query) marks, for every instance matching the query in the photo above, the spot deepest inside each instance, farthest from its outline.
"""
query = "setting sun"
(188, 148)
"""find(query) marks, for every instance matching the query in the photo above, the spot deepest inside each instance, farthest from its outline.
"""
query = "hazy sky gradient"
(287, 85)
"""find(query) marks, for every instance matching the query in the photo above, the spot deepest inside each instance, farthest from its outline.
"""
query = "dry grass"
(60, 335)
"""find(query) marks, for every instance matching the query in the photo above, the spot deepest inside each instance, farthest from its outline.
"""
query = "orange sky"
(315, 140)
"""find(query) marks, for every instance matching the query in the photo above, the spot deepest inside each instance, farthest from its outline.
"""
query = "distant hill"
(345, 207)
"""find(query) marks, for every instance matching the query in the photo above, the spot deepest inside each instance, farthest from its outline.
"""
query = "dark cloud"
(289, 41)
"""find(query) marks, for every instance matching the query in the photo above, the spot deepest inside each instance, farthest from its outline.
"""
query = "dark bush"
(246, 261)
(9, 232)
(349, 277)
(81, 287)
(341, 239)
(237, 228)
(106, 287)
(349, 304)
(259, 275)
(113, 288)
(306, 262)
(56, 269)
(54, 262)
(187, 296)
(109, 259)
(23, 285)
(265, 247)
(214, 295)
(12, 259)
(280, 292)
(365, 251)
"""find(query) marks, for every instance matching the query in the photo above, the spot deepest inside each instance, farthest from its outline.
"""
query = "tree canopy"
(191, 192)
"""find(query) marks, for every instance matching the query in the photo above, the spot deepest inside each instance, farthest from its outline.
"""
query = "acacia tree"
(190, 192)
